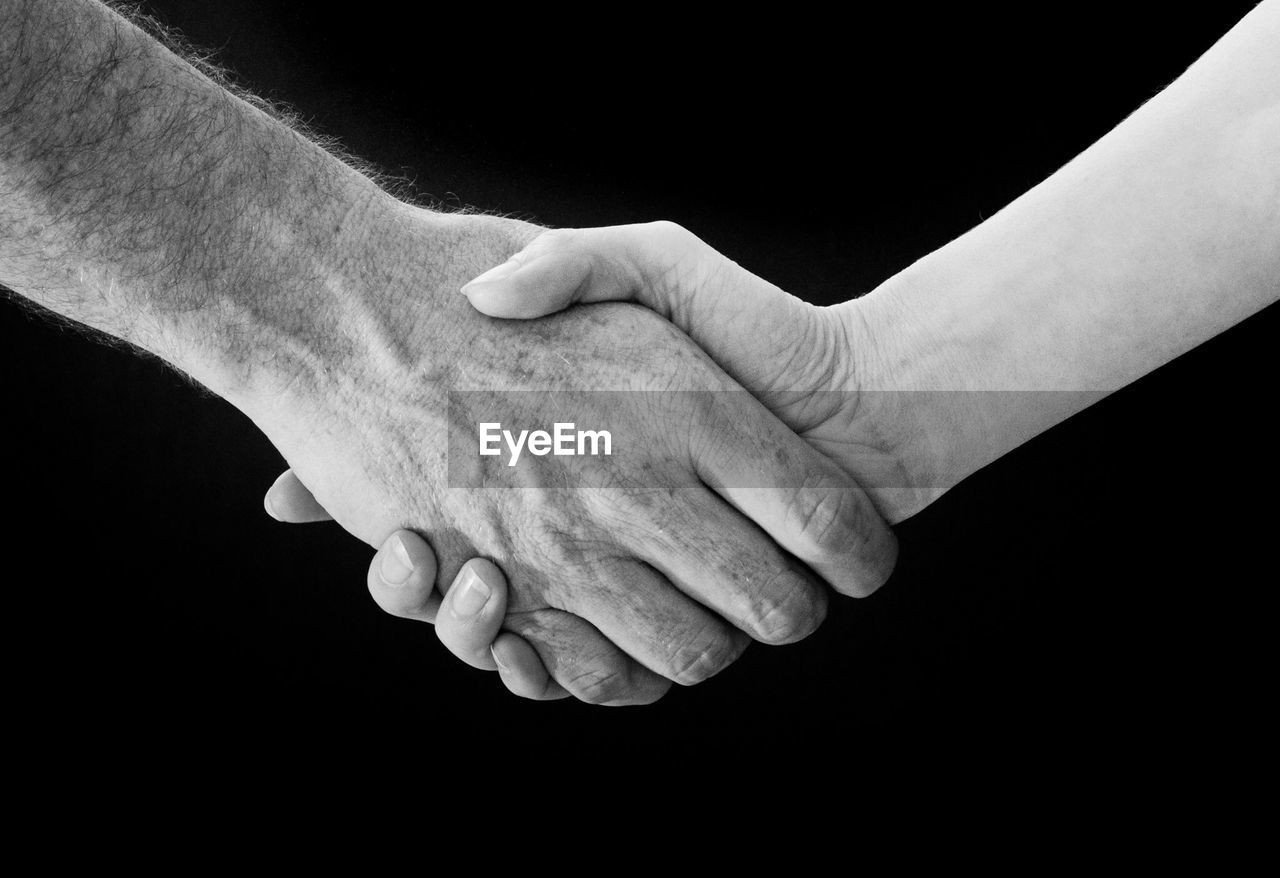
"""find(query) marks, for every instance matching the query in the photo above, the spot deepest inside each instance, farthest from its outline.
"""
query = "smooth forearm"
(1158, 237)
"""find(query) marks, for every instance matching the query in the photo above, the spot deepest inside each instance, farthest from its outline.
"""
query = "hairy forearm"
(141, 197)
(1161, 235)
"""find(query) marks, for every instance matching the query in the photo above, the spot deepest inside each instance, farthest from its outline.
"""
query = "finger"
(800, 498)
(583, 662)
(648, 618)
(741, 574)
(660, 265)
(521, 670)
(531, 284)
(402, 577)
(288, 500)
(469, 622)
(563, 267)
(725, 309)
(472, 611)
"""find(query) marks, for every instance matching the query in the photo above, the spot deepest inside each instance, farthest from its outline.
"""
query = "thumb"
(750, 327)
(566, 267)
(288, 500)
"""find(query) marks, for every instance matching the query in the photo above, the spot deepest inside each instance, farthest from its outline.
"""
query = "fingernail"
(497, 661)
(396, 563)
(497, 273)
(268, 505)
(471, 593)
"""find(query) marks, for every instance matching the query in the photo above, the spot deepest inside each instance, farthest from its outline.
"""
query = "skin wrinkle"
(635, 583)
(203, 230)
(546, 507)
(1028, 370)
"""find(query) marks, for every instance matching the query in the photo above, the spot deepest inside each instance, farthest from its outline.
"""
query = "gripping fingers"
(469, 625)
(472, 612)
(648, 618)
(469, 618)
(583, 661)
(725, 562)
(402, 577)
(800, 498)
(522, 670)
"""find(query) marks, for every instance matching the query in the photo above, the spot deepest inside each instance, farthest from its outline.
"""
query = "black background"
(1086, 601)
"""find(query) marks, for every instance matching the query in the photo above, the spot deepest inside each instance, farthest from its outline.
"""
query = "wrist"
(889, 373)
(377, 302)
(971, 354)
(288, 309)
(930, 372)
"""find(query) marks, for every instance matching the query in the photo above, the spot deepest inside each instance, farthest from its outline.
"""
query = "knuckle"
(599, 685)
(646, 515)
(795, 614)
(826, 519)
(834, 523)
(558, 545)
(700, 661)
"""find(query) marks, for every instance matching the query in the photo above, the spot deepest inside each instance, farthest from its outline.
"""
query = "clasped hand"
(649, 568)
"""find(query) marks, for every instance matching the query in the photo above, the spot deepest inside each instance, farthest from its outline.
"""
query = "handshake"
(736, 454)
(710, 516)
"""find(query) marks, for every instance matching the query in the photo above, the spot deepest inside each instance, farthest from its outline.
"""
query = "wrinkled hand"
(623, 575)
(810, 366)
